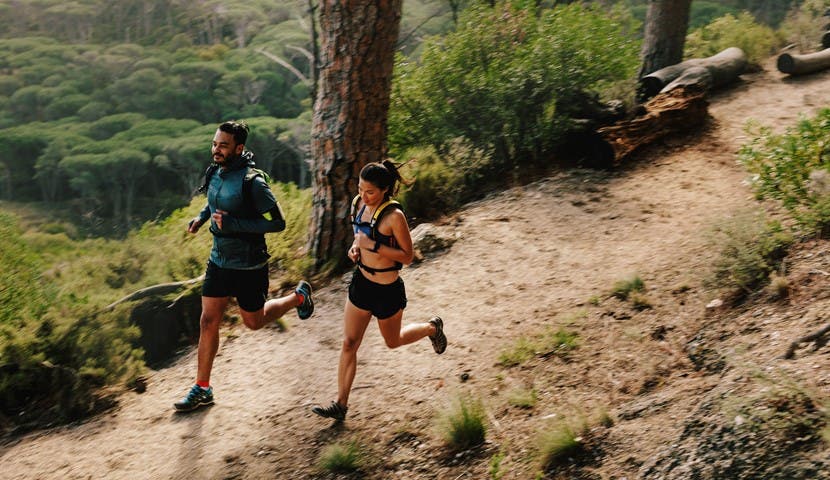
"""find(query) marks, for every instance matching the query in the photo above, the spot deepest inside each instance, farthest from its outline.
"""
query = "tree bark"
(349, 125)
(795, 64)
(665, 34)
(678, 110)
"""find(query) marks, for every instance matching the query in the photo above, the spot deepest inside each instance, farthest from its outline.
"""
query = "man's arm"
(199, 220)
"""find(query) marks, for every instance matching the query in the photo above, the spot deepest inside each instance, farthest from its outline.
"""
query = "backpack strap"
(209, 171)
(353, 214)
(384, 207)
(247, 195)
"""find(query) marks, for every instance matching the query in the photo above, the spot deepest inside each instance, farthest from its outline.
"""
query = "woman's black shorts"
(382, 300)
(250, 287)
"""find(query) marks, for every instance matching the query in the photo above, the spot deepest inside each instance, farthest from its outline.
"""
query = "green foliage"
(444, 183)
(622, 289)
(751, 248)
(495, 471)
(55, 350)
(704, 12)
(757, 41)
(501, 79)
(342, 458)
(523, 398)
(792, 168)
(463, 424)
(805, 24)
(559, 443)
(558, 342)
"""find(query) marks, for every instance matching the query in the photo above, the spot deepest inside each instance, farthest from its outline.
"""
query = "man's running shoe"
(335, 411)
(305, 309)
(438, 339)
(196, 397)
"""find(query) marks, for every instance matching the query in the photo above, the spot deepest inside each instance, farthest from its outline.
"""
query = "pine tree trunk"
(665, 34)
(349, 126)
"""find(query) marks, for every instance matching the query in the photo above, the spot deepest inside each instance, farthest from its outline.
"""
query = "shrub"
(463, 424)
(757, 41)
(443, 183)
(792, 167)
(804, 25)
(342, 458)
(498, 80)
(751, 248)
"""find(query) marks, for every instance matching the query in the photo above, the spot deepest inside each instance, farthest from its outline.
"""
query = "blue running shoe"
(196, 397)
(439, 340)
(305, 309)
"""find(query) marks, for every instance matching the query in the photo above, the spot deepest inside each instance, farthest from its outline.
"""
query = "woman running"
(382, 245)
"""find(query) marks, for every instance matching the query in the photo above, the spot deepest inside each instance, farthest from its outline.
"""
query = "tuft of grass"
(552, 342)
(779, 286)
(463, 424)
(639, 301)
(495, 466)
(522, 351)
(604, 418)
(559, 444)
(622, 289)
(342, 458)
(522, 398)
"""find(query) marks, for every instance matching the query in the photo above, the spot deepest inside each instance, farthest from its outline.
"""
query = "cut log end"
(786, 63)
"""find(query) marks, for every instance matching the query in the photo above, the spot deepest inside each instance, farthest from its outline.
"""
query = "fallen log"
(709, 73)
(795, 64)
(155, 290)
(677, 110)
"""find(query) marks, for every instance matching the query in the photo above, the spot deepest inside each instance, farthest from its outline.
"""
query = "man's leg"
(201, 394)
(272, 310)
(213, 308)
(275, 308)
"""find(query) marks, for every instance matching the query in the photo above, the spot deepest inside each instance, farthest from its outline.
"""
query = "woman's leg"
(396, 336)
(355, 322)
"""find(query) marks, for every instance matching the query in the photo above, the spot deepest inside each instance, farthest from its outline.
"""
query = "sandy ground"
(526, 259)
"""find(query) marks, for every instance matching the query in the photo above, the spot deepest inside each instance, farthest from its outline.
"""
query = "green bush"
(792, 167)
(751, 248)
(501, 79)
(757, 41)
(444, 183)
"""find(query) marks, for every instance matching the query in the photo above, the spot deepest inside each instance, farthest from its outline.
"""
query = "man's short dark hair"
(239, 130)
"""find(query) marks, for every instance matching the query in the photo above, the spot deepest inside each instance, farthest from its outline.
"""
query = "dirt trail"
(525, 259)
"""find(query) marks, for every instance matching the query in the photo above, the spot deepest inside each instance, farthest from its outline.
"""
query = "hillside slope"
(526, 260)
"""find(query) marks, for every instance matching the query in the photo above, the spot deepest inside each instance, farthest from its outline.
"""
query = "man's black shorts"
(382, 300)
(250, 287)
